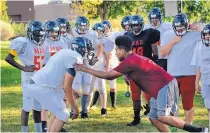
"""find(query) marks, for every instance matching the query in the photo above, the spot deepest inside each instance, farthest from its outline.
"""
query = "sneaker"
(113, 106)
(84, 115)
(103, 112)
(44, 130)
(134, 123)
(205, 130)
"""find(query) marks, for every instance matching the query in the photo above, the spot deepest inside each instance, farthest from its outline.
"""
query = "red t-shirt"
(147, 75)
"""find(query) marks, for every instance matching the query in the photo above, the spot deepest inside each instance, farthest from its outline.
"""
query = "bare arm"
(165, 50)
(154, 49)
(108, 59)
(104, 75)
(11, 61)
(69, 93)
(198, 75)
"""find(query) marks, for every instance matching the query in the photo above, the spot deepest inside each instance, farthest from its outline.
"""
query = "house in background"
(24, 11)
(21, 11)
(53, 11)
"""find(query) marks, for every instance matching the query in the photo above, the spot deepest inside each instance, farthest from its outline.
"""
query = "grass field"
(115, 121)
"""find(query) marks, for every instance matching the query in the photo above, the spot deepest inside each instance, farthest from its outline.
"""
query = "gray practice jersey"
(52, 75)
(93, 37)
(52, 47)
(201, 58)
(180, 56)
(109, 44)
(29, 54)
(68, 40)
(162, 28)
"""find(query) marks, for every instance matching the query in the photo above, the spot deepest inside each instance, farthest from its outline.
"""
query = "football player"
(201, 59)
(144, 44)
(113, 62)
(57, 74)
(53, 44)
(126, 24)
(151, 78)
(66, 31)
(156, 22)
(83, 80)
(30, 51)
(179, 44)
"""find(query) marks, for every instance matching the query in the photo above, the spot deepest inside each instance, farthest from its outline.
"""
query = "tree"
(104, 9)
(4, 16)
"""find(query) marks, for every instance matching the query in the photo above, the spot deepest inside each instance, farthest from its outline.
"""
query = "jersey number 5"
(38, 61)
(138, 50)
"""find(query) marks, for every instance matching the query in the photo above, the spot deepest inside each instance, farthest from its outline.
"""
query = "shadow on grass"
(11, 100)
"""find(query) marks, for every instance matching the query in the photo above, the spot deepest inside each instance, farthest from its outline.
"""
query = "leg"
(50, 122)
(37, 120)
(27, 107)
(92, 86)
(95, 98)
(77, 83)
(44, 116)
(136, 97)
(187, 91)
(189, 115)
(24, 121)
(37, 115)
(160, 126)
(101, 85)
(147, 98)
(86, 82)
(56, 125)
(166, 105)
(113, 96)
(54, 103)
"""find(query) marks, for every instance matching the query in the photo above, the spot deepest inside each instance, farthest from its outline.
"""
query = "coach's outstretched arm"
(104, 75)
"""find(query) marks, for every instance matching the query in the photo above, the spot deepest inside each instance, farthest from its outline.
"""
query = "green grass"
(115, 121)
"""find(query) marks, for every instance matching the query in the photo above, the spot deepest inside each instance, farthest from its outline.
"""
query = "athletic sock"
(38, 127)
(191, 128)
(24, 128)
(113, 98)
(84, 103)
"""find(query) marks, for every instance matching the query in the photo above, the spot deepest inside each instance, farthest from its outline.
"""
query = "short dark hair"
(124, 42)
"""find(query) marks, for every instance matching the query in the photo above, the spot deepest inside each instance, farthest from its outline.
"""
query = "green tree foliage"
(197, 10)
(104, 9)
(4, 16)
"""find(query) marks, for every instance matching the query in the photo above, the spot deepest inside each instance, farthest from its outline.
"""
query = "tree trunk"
(103, 10)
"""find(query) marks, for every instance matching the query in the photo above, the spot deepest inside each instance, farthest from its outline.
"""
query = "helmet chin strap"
(137, 33)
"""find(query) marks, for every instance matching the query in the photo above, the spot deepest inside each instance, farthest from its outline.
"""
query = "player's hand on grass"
(176, 39)
(76, 113)
(197, 88)
(29, 68)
